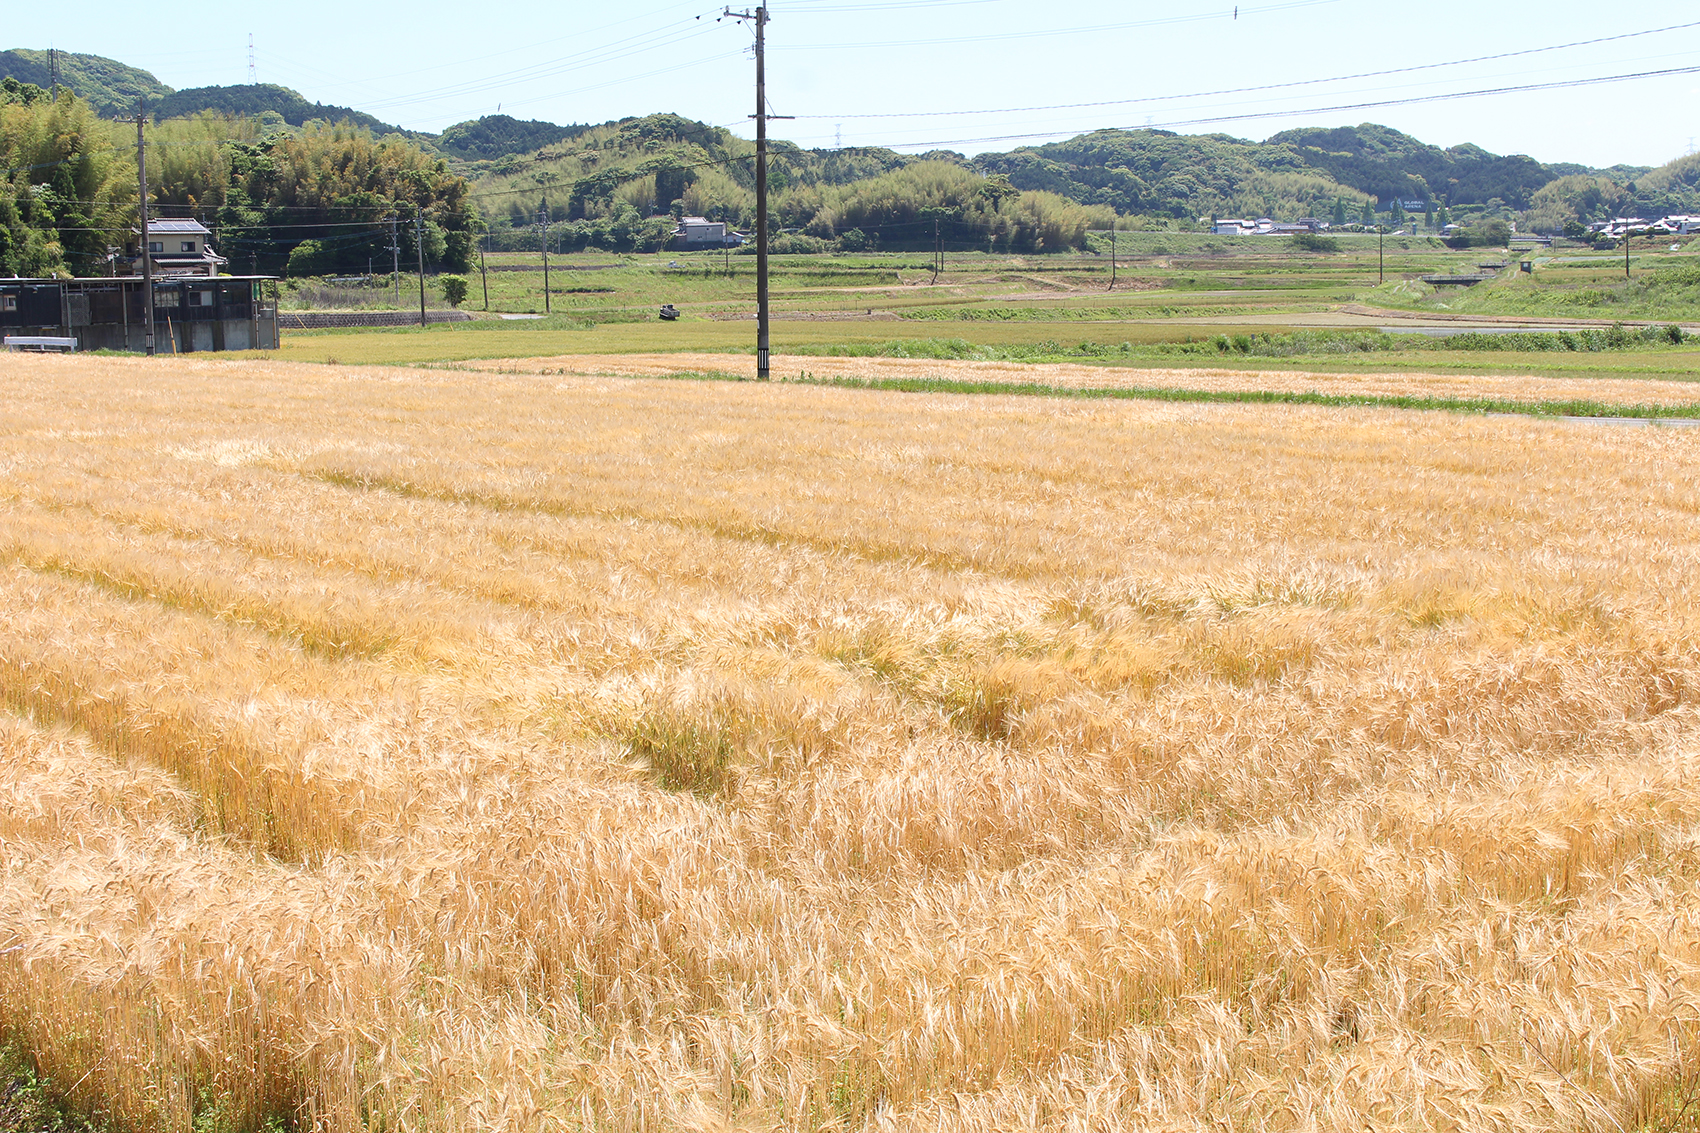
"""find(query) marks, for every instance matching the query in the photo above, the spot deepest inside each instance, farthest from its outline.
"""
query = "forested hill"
(110, 87)
(499, 135)
(1157, 172)
(1316, 171)
(114, 89)
(254, 99)
(1388, 164)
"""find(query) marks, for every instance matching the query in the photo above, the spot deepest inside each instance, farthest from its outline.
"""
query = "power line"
(606, 53)
(1563, 84)
(1263, 87)
(1035, 33)
(460, 63)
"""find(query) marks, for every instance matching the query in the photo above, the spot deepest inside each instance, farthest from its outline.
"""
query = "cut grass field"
(444, 749)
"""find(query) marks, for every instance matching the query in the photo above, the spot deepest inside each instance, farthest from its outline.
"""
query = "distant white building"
(1234, 227)
(699, 232)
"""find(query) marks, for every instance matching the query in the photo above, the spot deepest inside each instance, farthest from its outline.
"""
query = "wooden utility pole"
(1626, 248)
(1380, 255)
(759, 16)
(1112, 255)
(543, 223)
(482, 274)
(419, 246)
(762, 340)
(395, 257)
(147, 252)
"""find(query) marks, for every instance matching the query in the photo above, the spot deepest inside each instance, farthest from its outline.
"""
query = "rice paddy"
(553, 746)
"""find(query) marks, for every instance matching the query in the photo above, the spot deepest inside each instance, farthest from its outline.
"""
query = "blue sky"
(969, 75)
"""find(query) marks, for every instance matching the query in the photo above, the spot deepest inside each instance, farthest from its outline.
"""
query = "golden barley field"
(393, 749)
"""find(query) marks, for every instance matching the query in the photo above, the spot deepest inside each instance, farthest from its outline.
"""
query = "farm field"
(1167, 305)
(477, 749)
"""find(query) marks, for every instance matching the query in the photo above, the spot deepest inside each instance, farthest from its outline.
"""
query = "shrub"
(1489, 234)
(309, 257)
(454, 289)
(1311, 242)
(797, 244)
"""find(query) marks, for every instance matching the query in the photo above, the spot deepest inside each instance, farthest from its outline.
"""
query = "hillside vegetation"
(1165, 174)
(605, 181)
(254, 99)
(320, 194)
(616, 185)
(498, 135)
(69, 193)
(112, 88)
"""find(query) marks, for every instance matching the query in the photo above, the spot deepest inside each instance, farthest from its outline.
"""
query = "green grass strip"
(1576, 407)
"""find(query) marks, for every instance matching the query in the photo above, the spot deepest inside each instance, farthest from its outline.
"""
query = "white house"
(178, 247)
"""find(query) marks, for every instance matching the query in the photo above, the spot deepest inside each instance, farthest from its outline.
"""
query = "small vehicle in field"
(669, 312)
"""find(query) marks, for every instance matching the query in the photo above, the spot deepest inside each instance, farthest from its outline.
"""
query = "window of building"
(8, 302)
(156, 245)
(188, 246)
(200, 299)
(164, 298)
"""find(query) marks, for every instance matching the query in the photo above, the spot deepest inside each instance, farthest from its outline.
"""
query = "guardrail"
(41, 344)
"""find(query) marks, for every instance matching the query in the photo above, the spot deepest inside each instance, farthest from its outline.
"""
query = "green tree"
(997, 189)
(1339, 211)
(1368, 217)
(67, 194)
(454, 289)
(309, 257)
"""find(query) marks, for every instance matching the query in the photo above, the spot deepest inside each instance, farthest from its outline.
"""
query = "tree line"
(310, 199)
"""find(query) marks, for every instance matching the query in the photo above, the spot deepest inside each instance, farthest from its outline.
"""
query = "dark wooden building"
(191, 314)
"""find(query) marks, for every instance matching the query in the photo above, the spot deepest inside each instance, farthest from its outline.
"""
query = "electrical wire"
(1248, 116)
(605, 53)
(1035, 33)
(577, 35)
(1255, 89)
